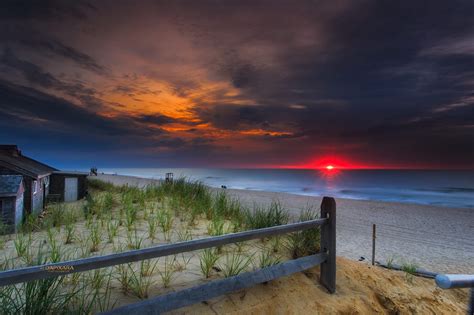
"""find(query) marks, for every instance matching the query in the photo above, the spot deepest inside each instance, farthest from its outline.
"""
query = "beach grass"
(116, 218)
(306, 242)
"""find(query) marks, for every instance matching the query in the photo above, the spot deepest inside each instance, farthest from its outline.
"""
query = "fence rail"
(326, 258)
(452, 281)
(217, 288)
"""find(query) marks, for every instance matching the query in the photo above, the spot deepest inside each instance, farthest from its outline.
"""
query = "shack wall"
(57, 183)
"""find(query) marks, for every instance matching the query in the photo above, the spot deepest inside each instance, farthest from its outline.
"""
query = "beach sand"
(438, 239)
(360, 289)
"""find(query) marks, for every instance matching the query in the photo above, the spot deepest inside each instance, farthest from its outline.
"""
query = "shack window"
(35, 186)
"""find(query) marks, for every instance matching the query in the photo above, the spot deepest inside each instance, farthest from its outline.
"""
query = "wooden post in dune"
(373, 243)
(328, 244)
(470, 307)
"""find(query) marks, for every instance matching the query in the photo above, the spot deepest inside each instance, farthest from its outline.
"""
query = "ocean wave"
(448, 190)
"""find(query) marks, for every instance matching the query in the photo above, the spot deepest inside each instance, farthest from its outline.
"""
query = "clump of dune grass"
(390, 261)
(165, 219)
(267, 259)
(153, 192)
(410, 270)
(22, 242)
(92, 206)
(216, 227)
(107, 202)
(193, 196)
(168, 271)
(153, 223)
(45, 296)
(183, 236)
(304, 243)
(99, 185)
(55, 214)
(130, 215)
(84, 245)
(55, 254)
(134, 241)
(35, 297)
(138, 285)
(262, 217)
(97, 278)
(123, 277)
(30, 224)
(95, 236)
(207, 261)
(112, 229)
(69, 228)
(147, 267)
(234, 264)
(276, 242)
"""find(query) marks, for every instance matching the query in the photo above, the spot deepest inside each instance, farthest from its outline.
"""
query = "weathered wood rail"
(451, 281)
(326, 258)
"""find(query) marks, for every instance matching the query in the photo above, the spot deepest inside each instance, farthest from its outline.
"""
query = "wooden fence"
(451, 281)
(326, 258)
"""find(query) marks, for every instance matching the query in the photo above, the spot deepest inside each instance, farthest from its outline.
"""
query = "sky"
(239, 83)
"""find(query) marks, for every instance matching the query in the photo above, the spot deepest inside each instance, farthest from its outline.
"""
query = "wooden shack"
(68, 185)
(36, 176)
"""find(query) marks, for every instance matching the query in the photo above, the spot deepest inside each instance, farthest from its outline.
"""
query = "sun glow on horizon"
(329, 167)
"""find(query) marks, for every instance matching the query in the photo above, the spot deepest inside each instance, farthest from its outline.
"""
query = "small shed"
(68, 185)
(11, 201)
(35, 176)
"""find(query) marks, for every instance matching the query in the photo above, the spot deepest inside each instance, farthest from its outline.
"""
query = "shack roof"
(11, 158)
(75, 173)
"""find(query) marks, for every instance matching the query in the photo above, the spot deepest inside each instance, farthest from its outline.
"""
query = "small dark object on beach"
(93, 171)
(362, 258)
(223, 186)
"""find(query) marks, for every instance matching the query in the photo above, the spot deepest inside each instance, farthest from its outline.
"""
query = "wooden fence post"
(470, 306)
(373, 243)
(328, 244)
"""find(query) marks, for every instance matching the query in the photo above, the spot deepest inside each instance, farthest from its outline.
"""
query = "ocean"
(428, 187)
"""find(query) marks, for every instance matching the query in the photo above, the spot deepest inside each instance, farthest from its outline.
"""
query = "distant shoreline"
(439, 239)
(148, 180)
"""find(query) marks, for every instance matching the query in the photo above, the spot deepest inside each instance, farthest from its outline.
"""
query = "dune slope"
(361, 289)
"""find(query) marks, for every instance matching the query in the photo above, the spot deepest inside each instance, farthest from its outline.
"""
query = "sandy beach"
(438, 239)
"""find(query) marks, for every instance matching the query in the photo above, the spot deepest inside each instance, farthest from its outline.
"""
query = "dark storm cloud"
(157, 119)
(23, 27)
(160, 120)
(30, 104)
(59, 49)
(382, 62)
(43, 10)
(36, 76)
(22, 38)
(32, 73)
(388, 81)
(233, 117)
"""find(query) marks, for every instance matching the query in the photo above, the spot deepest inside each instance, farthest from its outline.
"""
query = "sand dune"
(361, 289)
(438, 239)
